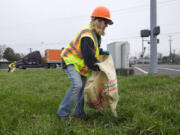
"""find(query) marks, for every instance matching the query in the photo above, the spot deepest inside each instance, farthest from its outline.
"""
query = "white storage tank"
(115, 50)
(120, 54)
(125, 55)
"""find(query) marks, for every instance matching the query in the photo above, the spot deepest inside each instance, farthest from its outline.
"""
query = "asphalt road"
(171, 70)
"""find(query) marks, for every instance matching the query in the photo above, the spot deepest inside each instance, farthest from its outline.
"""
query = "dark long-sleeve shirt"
(87, 48)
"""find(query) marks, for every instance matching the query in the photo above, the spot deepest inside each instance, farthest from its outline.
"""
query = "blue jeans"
(76, 92)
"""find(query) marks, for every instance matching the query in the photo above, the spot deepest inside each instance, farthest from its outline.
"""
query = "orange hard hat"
(102, 12)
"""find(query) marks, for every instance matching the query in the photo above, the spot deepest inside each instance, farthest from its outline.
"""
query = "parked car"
(132, 61)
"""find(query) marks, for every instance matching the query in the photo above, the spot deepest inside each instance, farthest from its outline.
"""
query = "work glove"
(96, 67)
(105, 52)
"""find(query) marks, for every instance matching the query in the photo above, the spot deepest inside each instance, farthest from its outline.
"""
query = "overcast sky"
(52, 24)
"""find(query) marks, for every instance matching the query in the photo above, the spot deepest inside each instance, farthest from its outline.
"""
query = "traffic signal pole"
(153, 38)
(142, 51)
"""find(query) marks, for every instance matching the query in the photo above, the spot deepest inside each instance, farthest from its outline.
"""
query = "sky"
(52, 24)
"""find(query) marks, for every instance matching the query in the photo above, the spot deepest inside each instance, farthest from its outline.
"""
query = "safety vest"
(12, 65)
(73, 55)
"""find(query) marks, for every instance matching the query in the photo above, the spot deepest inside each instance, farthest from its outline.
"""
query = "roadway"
(171, 70)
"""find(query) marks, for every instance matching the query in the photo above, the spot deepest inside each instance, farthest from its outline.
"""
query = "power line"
(171, 33)
(171, 24)
(144, 6)
(123, 11)
(167, 1)
(170, 52)
(136, 37)
(130, 8)
(118, 38)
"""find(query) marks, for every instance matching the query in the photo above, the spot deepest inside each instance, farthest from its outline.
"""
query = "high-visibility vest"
(73, 55)
(12, 65)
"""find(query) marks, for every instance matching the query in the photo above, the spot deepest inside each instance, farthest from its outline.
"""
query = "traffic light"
(157, 41)
(156, 30)
(145, 33)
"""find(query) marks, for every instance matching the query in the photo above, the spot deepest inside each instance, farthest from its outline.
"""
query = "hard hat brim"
(107, 20)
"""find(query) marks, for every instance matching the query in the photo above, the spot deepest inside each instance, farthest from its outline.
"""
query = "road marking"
(170, 69)
(141, 70)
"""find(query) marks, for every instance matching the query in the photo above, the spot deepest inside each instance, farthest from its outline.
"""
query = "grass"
(148, 105)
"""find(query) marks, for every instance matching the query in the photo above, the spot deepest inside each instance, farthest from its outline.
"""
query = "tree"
(17, 56)
(10, 55)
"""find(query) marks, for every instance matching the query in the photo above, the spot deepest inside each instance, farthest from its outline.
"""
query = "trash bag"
(101, 90)
(13, 69)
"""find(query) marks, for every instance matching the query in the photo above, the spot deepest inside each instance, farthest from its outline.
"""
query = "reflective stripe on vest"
(73, 55)
(76, 43)
(85, 31)
(69, 51)
(84, 70)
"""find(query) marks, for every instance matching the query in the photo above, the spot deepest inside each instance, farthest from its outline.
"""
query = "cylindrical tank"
(120, 54)
(115, 50)
(125, 55)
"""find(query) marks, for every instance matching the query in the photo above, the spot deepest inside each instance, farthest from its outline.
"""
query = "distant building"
(3, 60)
(4, 63)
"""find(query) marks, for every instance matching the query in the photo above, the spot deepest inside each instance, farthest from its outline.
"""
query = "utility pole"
(30, 49)
(174, 55)
(153, 42)
(170, 52)
(149, 52)
(153, 33)
(142, 51)
(174, 51)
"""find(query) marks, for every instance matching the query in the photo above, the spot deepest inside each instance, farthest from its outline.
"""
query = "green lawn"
(29, 100)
